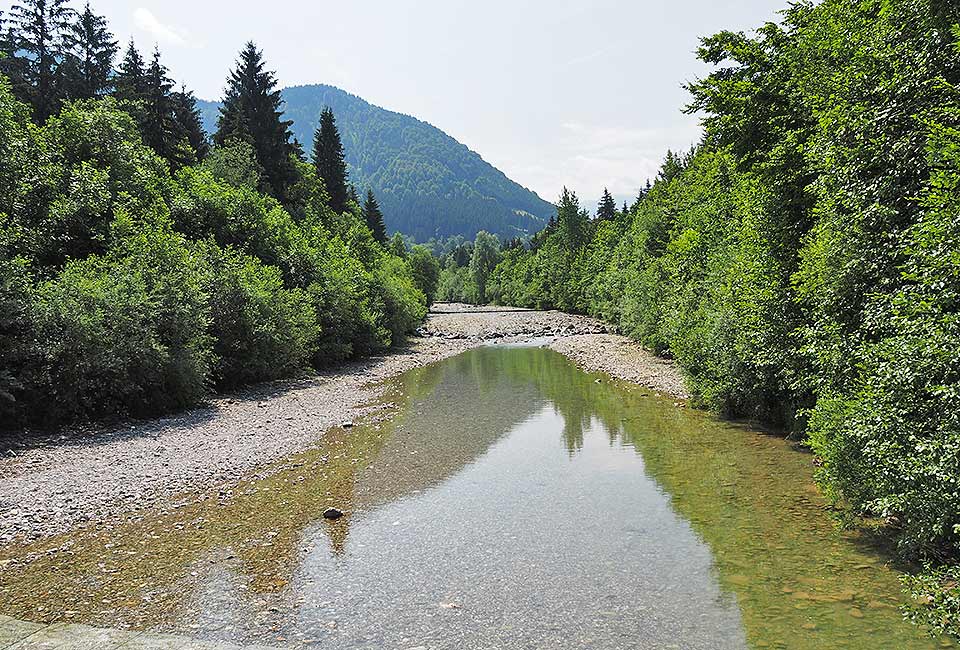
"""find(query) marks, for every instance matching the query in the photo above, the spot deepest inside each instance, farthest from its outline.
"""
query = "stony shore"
(54, 482)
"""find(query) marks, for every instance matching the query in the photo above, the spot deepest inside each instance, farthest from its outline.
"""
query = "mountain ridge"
(428, 183)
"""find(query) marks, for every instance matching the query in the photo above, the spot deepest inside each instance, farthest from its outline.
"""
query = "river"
(513, 501)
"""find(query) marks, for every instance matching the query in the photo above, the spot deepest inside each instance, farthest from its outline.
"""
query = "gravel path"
(55, 482)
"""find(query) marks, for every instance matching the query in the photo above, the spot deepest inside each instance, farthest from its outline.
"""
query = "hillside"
(428, 184)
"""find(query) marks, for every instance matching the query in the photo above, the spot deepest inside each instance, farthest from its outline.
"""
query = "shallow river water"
(512, 502)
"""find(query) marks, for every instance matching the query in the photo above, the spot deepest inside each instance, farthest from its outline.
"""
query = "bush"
(403, 305)
(261, 330)
(125, 333)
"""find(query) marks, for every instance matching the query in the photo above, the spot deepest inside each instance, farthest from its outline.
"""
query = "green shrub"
(261, 330)
(126, 333)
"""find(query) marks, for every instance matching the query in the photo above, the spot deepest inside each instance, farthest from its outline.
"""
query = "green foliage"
(936, 599)
(127, 291)
(123, 333)
(486, 254)
(426, 272)
(373, 217)
(235, 163)
(261, 329)
(801, 264)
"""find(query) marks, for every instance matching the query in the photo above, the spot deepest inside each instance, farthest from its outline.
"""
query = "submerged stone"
(332, 513)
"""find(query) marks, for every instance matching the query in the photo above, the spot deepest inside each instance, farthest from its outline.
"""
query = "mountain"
(428, 184)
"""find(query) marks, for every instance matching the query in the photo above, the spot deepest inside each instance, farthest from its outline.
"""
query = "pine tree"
(130, 82)
(329, 160)
(374, 218)
(89, 63)
(252, 112)
(608, 207)
(626, 209)
(39, 30)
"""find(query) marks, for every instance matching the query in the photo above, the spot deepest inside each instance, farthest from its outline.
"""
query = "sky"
(585, 94)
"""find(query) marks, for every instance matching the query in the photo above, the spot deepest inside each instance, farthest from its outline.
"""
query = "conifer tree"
(161, 121)
(157, 124)
(626, 209)
(571, 220)
(355, 196)
(91, 51)
(373, 216)
(329, 160)
(608, 207)
(39, 31)
(130, 83)
(252, 112)
(190, 122)
(13, 67)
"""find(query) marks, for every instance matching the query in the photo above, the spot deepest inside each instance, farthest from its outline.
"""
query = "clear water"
(513, 502)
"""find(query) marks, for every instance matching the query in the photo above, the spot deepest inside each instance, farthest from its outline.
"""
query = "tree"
(130, 82)
(571, 220)
(91, 50)
(11, 66)
(398, 246)
(608, 207)
(189, 122)
(252, 112)
(40, 28)
(373, 216)
(486, 256)
(160, 130)
(426, 271)
(329, 160)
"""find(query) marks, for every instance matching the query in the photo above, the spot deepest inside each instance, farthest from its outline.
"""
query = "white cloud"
(168, 34)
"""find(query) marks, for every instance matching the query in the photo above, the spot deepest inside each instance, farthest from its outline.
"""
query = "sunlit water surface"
(513, 502)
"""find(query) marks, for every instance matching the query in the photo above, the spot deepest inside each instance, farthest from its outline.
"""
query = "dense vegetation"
(802, 263)
(429, 185)
(139, 266)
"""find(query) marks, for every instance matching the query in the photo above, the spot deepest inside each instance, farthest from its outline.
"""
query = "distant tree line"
(142, 264)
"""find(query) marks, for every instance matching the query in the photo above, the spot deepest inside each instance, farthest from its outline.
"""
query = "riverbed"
(510, 500)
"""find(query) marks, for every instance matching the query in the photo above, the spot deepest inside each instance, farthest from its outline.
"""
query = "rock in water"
(332, 513)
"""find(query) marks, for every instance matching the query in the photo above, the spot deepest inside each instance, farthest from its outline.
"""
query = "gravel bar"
(53, 482)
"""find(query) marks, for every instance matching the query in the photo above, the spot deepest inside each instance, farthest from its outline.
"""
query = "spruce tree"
(10, 66)
(329, 160)
(608, 207)
(572, 222)
(39, 30)
(91, 51)
(373, 216)
(130, 82)
(355, 196)
(160, 120)
(190, 122)
(251, 112)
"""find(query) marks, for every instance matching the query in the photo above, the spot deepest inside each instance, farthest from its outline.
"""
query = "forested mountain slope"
(428, 184)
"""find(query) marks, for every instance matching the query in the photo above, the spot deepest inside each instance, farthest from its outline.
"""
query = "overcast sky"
(579, 93)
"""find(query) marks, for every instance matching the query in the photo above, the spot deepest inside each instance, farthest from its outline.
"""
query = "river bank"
(52, 483)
